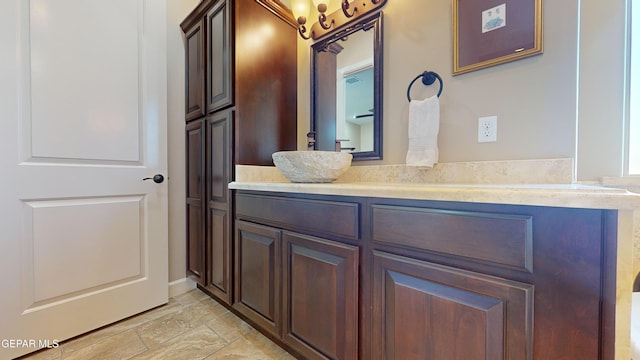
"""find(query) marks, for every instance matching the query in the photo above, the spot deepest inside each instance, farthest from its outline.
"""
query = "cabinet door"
(219, 57)
(219, 217)
(195, 201)
(320, 304)
(194, 75)
(257, 275)
(428, 311)
(219, 156)
(265, 83)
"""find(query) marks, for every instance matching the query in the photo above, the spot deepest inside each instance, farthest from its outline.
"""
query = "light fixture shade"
(300, 8)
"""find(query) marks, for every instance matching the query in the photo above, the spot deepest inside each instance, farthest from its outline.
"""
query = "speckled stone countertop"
(559, 195)
(525, 182)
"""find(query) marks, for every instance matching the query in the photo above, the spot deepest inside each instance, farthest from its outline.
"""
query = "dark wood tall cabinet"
(194, 163)
(240, 107)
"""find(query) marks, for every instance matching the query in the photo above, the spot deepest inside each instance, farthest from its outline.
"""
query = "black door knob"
(157, 178)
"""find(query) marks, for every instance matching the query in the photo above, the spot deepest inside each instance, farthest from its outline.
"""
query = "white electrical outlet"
(488, 129)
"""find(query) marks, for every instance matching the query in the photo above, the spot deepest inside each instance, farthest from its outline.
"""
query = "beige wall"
(601, 130)
(177, 10)
(535, 99)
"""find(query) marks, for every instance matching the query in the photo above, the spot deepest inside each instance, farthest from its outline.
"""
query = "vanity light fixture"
(350, 11)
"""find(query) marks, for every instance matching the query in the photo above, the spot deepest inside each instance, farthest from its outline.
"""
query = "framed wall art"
(491, 32)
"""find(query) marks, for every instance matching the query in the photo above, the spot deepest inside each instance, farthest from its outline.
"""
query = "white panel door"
(83, 238)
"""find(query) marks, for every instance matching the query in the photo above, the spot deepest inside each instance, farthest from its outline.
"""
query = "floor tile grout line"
(229, 343)
(134, 328)
(113, 325)
(141, 339)
(225, 319)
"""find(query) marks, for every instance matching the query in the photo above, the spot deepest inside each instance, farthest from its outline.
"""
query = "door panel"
(219, 156)
(219, 234)
(195, 160)
(83, 122)
(320, 303)
(57, 270)
(219, 225)
(89, 121)
(194, 139)
(195, 241)
(428, 311)
(257, 274)
(194, 100)
(459, 324)
(219, 243)
(219, 57)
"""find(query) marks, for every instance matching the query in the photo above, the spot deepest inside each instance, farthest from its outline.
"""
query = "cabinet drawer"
(500, 239)
(326, 217)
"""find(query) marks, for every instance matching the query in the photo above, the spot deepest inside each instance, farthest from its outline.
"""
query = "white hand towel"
(424, 124)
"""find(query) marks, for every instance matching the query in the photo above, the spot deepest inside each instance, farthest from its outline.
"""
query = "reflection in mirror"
(354, 93)
(347, 90)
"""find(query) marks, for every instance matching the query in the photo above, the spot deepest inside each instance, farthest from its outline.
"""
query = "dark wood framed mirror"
(346, 89)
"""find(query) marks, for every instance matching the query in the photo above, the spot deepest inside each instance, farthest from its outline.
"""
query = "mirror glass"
(347, 90)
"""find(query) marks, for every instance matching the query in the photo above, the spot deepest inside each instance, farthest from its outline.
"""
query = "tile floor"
(191, 326)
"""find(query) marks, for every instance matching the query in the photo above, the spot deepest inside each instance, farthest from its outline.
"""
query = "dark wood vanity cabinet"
(293, 282)
(242, 96)
(486, 281)
(334, 277)
(298, 288)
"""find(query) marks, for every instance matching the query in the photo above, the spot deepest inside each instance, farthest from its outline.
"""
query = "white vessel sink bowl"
(312, 166)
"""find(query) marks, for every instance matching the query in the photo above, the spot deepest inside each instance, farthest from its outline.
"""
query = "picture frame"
(492, 32)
